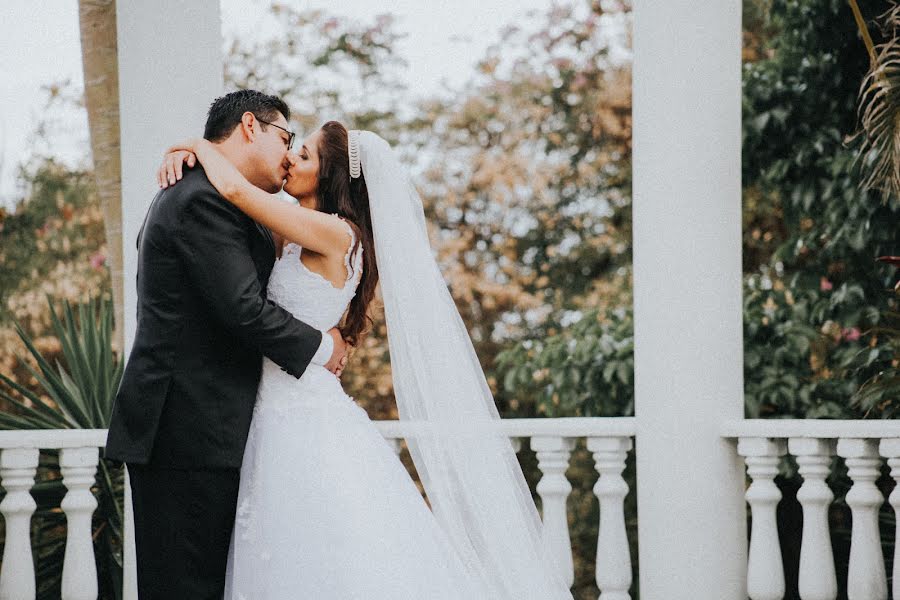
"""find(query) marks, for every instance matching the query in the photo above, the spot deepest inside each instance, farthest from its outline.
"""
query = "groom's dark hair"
(225, 113)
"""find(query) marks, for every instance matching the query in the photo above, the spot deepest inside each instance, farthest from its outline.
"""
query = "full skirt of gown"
(326, 510)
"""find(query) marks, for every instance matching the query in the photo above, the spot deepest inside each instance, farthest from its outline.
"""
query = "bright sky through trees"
(444, 40)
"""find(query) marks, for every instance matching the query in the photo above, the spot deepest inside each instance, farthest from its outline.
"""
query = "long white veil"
(468, 467)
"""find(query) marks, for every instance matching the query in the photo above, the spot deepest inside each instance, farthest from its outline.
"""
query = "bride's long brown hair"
(349, 198)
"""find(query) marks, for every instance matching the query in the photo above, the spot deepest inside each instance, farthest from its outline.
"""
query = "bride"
(326, 509)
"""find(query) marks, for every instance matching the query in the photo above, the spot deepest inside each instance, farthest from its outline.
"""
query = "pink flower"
(851, 334)
(98, 259)
(825, 285)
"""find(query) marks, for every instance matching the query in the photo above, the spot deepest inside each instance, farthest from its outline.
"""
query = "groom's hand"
(339, 355)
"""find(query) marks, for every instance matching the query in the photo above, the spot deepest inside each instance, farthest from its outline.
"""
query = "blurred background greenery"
(525, 172)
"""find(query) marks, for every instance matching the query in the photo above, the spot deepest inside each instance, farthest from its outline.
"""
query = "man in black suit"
(182, 412)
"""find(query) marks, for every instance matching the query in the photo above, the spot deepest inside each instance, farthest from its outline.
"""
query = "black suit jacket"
(203, 326)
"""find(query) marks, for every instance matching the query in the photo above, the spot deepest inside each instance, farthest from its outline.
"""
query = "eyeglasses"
(291, 134)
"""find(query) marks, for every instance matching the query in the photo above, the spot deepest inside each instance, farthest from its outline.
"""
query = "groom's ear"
(248, 127)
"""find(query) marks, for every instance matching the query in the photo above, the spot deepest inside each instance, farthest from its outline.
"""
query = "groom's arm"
(211, 238)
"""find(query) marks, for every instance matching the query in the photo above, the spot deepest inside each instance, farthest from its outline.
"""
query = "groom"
(182, 412)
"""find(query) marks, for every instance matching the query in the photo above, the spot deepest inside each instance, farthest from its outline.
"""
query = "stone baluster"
(817, 578)
(553, 459)
(613, 557)
(866, 578)
(18, 467)
(79, 577)
(765, 572)
(890, 449)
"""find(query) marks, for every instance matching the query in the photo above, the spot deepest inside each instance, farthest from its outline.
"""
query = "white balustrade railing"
(78, 458)
(608, 439)
(814, 443)
(552, 440)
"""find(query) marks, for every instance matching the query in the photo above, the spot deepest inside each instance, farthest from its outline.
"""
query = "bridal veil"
(467, 465)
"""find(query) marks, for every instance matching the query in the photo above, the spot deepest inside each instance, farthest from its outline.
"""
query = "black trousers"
(183, 520)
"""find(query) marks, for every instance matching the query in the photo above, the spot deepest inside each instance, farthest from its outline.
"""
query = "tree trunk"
(99, 58)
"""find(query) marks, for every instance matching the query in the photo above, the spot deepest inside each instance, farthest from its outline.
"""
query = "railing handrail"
(52, 438)
(609, 440)
(810, 428)
(392, 429)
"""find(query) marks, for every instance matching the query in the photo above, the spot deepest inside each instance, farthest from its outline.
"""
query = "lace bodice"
(308, 295)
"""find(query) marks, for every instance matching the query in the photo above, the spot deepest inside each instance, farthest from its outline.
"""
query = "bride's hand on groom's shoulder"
(174, 158)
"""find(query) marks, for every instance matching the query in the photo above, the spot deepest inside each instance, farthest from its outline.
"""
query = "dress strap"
(353, 264)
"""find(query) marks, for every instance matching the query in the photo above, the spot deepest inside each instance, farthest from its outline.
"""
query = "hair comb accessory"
(353, 151)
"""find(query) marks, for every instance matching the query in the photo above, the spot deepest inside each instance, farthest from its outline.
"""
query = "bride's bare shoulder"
(351, 231)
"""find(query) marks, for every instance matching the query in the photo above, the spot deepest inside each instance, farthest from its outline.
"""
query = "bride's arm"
(318, 231)
(279, 242)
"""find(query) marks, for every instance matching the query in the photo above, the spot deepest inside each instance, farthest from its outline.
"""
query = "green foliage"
(75, 393)
(587, 370)
(794, 369)
(57, 222)
(878, 395)
(814, 294)
(816, 302)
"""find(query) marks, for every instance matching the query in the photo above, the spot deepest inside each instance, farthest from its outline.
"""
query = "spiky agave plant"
(77, 393)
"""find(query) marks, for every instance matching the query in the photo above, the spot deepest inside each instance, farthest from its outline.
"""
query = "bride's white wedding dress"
(326, 509)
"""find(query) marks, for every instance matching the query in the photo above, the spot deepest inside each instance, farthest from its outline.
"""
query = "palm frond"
(878, 158)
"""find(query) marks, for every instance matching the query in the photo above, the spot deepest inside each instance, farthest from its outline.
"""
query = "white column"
(79, 468)
(765, 572)
(18, 467)
(553, 459)
(170, 70)
(687, 298)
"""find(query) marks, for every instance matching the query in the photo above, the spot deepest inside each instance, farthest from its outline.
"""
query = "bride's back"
(308, 295)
